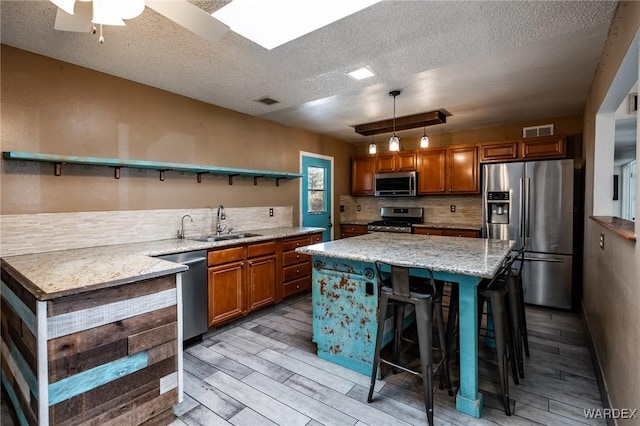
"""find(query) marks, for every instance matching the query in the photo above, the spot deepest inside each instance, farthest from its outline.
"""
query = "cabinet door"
(543, 147)
(406, 161)
(261, 281)
(462, 170)
(225, 292)
(362, 175)
(385, 163)
(499, 151)
(431, 171)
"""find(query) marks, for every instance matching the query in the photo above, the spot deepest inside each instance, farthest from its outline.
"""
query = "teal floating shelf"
(160, 166)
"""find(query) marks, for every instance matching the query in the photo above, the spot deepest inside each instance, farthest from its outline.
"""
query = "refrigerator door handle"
(522, 206)
(545, 259)
(528, 213)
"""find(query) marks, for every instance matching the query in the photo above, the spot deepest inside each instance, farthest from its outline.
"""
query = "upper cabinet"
(404, 161)
(450, 170)
(541, 147)
(363, 170)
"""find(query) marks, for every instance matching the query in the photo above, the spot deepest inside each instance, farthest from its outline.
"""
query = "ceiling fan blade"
(79, 22)
(190, 17)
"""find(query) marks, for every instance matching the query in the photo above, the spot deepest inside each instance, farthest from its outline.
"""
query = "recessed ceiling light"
(272, 23)
(362, 73)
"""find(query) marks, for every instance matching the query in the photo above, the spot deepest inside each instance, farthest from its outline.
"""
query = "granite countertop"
(356, 222)
(59, 273)
(476, 257)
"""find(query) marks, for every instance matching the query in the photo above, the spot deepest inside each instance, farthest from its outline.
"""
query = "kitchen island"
(95, 334)
(345, 288)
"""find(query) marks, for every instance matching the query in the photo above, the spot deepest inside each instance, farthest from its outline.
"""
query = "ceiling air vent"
(267, 101)
(531, 132)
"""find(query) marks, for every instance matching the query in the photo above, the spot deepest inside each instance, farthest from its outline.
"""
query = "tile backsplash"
(437, 208)
(36, 233)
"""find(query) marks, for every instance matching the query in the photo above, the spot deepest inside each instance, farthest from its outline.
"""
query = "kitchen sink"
(225, 237)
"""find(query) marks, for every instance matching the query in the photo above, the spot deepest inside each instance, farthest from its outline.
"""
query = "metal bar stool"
(398, 290)
(495, 292)
(517, 307)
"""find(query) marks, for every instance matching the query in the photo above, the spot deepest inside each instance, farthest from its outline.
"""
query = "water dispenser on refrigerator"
(498, 207)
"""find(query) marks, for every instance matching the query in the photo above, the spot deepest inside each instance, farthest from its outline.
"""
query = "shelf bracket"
(162, 175)
(57, 169)
(231, 179)
(199, 177)
(278, 181)
(116, 172)
(255, 179)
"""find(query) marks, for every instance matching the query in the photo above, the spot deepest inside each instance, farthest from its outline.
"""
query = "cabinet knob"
(297, 256)
(298, 287)
(297, 271)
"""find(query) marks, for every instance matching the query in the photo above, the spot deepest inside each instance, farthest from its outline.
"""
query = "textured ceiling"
(486, 62)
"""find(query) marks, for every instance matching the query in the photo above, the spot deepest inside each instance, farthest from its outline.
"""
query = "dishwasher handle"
(193, 261)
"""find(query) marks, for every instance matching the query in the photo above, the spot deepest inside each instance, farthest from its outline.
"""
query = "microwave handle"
(412, 183)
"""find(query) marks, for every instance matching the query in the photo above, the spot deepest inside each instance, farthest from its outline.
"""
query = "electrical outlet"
(341, 208)
(453, 208)
(358, 207)
(271, 212)
(602, 241)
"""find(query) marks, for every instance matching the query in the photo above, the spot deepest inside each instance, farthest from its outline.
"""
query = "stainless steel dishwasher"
(194, 291)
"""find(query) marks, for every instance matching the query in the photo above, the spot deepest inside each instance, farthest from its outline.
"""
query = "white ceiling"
(486, 62)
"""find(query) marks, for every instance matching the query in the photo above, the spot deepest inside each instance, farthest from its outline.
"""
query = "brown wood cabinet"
(536, 148)
(296, 267)
(363, 170)
(448, 232)
(450, 170)
(403, 161)
(347, 231)
(225, 284)
(261, 274)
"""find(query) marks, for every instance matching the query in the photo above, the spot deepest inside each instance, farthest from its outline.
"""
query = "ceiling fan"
(84, 15)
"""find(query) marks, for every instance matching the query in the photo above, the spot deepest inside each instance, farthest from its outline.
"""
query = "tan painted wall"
(55, 107)
(611, 299)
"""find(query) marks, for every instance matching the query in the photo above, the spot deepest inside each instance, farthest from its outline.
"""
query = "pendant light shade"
(394, 142)
(424, 140)
(372, 147)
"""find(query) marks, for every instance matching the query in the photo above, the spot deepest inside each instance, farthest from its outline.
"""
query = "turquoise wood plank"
(143, 164)
(25, 314)
(22, 419)
(85, 381)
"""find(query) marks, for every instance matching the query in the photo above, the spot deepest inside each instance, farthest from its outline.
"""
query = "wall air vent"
(532, 132)
(267, 100)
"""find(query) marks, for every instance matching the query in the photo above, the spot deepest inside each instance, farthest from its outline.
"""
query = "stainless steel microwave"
(401, 184)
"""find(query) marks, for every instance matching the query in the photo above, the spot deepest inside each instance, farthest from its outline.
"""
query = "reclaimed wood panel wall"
(111, 356)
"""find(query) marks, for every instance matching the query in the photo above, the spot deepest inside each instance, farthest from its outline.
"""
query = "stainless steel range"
(397, 219)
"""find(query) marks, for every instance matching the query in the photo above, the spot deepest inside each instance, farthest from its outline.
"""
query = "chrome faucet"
(220, 216)
(181, 230)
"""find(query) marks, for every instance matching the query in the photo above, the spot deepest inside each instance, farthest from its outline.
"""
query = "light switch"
(602, 241)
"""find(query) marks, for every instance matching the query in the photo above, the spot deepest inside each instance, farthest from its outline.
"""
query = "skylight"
(272, 23)
(362, 73)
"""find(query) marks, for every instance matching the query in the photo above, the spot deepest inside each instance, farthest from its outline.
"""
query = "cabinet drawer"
(294, 243)
(353, 229)
(296, 287)
(261, 249)
(219, 257)
(461, 233)
(427, 231)
(296, 271)
(291, 258)
(316, 238)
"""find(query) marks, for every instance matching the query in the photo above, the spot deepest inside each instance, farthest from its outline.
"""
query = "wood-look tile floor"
(264, 371)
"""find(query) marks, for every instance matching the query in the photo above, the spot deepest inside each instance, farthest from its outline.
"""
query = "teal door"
(316, 194)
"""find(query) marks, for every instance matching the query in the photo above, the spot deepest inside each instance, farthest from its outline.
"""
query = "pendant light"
(424, 140)
(372, 146)
(394, 142)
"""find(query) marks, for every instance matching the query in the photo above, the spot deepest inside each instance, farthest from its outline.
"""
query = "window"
(316, 190)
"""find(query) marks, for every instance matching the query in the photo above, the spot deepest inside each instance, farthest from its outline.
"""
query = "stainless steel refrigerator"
(532, 203)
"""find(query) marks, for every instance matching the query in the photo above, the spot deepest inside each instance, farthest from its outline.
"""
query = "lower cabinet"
(241, 279)
(347, 231)
(448, 232)
(248, 277)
